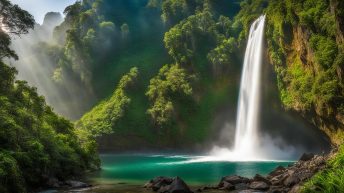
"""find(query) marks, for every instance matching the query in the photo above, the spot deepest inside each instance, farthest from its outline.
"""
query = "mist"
(70, 99)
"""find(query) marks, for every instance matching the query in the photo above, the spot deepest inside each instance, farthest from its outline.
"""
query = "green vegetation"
(102, 119)
(201, 45)
(170, 81)
(102, 42)
(330, 179)
(35, 143)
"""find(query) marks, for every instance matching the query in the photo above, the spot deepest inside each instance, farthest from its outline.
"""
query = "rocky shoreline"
(281, 180)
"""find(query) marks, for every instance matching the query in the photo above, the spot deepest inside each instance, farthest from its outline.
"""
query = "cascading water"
(246, 141)
(249, 96)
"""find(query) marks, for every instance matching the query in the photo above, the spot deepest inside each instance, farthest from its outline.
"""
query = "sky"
(38, 8)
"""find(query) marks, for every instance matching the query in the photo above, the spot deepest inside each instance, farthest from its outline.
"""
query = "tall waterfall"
(247, 146)
(249, 96)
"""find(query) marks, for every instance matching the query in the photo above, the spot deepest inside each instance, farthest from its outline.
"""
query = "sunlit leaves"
(171, 80)
(103, 118)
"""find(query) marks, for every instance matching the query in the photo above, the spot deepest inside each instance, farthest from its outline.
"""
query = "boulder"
(279, 170)
(209, 188)
(295, 189)
(168, 185)
(258, 177)
(276, 189)
(291, 180)
(241, 186)
(227, 186)
(278, 180)
(306, 157)
(178, 186)
(259, 185)
(234, 179)
(158, 182)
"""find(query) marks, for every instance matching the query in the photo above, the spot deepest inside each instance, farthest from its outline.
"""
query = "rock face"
(168, 185)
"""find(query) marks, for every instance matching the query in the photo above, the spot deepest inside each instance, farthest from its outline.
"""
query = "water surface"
(138, 169)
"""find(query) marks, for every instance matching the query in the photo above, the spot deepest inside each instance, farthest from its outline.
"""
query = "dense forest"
(35, 143)
(155, 74)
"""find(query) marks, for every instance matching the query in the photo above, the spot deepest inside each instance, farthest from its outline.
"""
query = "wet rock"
(241, 186)
(168, 185)
(276, 189)
(227, 186)
(295, 189)
(234, 179)
(158, 182)
(178, 186)
(306, 157)
(291, 180)
(279, 170)
(278, 180)
(209, 188)
(259, 185)
(258, 177)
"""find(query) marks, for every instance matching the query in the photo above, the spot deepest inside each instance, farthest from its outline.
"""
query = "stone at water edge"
(276, 171)
(178, 186)
(259, 185)
(168, 185)
(234, 179)
(258, 177)
(241, 186)
(227, 186)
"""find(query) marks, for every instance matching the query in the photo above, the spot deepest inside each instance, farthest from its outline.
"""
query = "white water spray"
(249, 96)
(246, 141)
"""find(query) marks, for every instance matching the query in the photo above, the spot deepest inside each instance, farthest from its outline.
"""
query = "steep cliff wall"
(305, 46)
(305, 41)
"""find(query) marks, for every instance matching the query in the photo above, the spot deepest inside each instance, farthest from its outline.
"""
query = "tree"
(222, 55)
(171, 80)
(13, 20)
(35, 143)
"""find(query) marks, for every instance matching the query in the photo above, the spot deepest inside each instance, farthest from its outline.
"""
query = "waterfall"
(249, 95)
(246, 147)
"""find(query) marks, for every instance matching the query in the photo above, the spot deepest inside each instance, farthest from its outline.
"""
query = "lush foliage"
(102, 119)
(201, 47)
(329, 180)
(35, 143)
(13, 21)
(170, 81)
